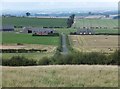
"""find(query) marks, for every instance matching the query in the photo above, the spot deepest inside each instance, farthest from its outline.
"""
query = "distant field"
(94, 43)
(109, 23)
(65, 30)
(60, 76)
(35, 22)
(10, 37)
(96, 23)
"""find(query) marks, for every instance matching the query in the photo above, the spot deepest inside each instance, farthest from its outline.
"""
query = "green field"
(35, 56)
(11, 37)
(65, 30)
(35, 22)
(60, 76)
(109, 23)
(96, 23)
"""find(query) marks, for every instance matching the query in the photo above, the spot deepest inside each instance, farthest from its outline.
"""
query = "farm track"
(64, 45)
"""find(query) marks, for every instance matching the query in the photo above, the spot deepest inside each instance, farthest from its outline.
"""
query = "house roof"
(6, 27)
(39, 29)
(87, 31)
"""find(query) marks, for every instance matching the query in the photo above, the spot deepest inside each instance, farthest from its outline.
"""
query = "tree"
(28, 14)
(70, 20)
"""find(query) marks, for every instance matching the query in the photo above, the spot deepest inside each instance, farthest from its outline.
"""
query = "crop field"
(94, 43)
(60, 76)
(35, 22)
(11, 38)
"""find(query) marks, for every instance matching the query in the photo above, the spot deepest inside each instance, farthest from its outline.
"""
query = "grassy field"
(110, 23)
(65, 30)
(60, 76)
(94, 43)
(35, 22)
(35, 56)
(10, 37)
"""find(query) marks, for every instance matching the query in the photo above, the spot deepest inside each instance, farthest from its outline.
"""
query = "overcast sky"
(59, 4)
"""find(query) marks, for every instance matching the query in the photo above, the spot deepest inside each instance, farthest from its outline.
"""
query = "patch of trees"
(28, 14)
(70, 20)
(93, 58)
(18, 26)
(22, 50)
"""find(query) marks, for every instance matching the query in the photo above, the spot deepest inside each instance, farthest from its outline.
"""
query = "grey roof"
(7, 27)
(2, 27)
(39, 29)
(86, 31)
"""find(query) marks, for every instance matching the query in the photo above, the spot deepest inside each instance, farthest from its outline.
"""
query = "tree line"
(76, 58)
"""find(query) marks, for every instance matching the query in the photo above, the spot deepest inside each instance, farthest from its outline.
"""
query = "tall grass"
(61, 76)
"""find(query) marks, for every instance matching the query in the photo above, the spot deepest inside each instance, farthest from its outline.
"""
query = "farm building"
(7, 28)
(85, 32)
(39, 31)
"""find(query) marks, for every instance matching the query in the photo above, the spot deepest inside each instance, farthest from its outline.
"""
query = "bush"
(18, 61)
(44, 61)
(115, 58)
(92, 58)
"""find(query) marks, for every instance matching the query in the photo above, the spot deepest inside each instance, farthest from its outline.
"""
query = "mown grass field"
(11, 37)
(60, 76)
(94, 43)
(35, 22)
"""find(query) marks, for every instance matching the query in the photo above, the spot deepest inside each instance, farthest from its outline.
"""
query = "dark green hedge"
(18, 61)
(21, 50)
(93, 58)
(78, 58)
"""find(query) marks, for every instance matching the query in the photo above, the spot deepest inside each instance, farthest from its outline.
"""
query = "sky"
(26, 5)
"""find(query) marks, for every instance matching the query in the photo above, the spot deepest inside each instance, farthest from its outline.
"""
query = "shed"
(39, 31)
(6, 28)
(85, 32)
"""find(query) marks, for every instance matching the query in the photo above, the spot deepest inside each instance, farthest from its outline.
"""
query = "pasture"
(34, 56)
(12, 38)
(60, 76)
(34, 22)
(94, 43)
(109, 23)
(104, 25)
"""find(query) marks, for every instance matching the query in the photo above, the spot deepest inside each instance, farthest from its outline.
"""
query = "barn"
(39, 31)
(6, 28)
(85, 32)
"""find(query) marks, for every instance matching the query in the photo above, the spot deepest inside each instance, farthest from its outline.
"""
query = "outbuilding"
(6, 28)
(85, 32)
(39, 31)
